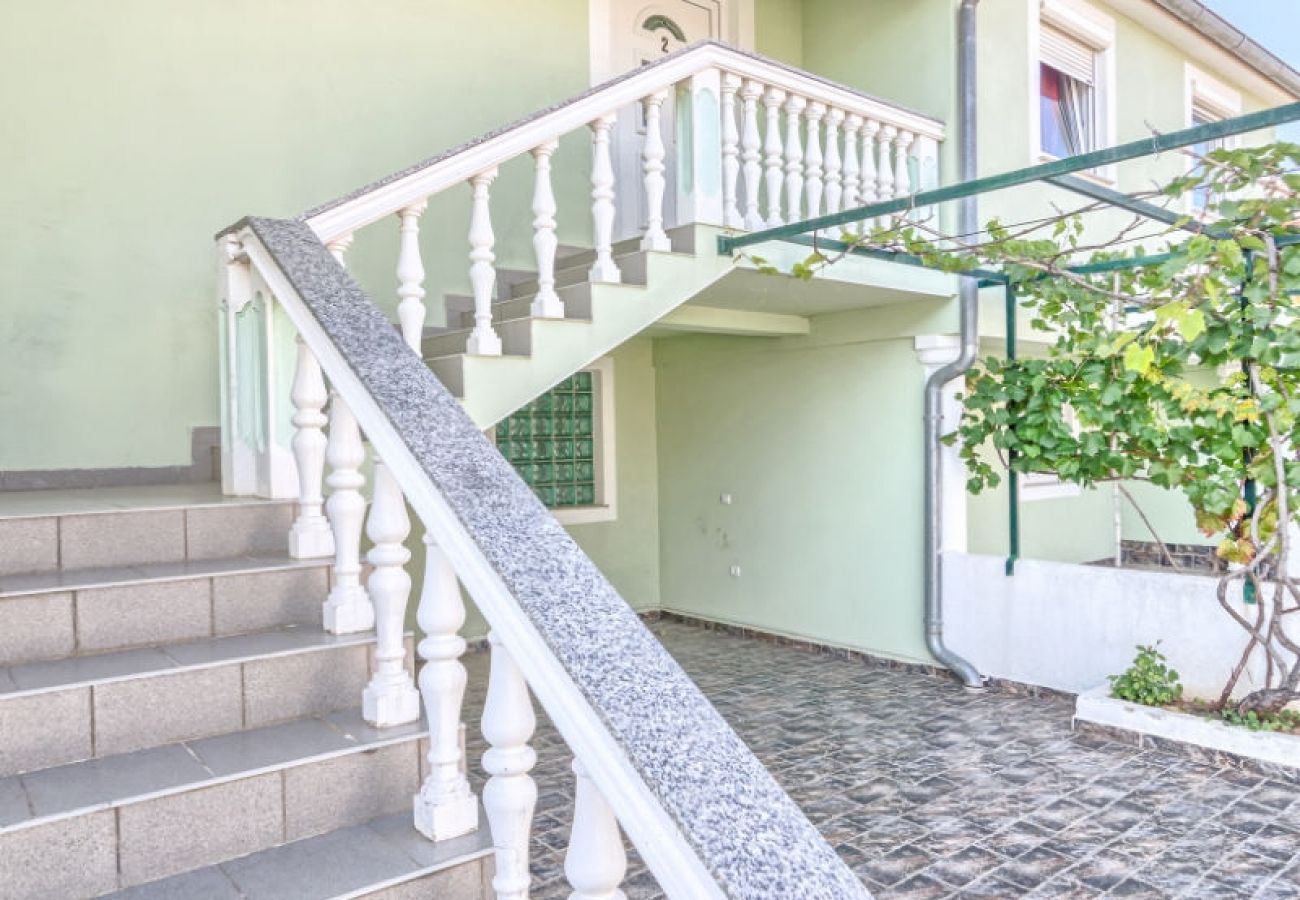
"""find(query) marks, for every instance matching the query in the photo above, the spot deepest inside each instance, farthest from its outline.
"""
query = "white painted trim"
(1045, 486)
(735, 22)
(606, 508)
(1210, 91)
(651, 829)
(449, 171)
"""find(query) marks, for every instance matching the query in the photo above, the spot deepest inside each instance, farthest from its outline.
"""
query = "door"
(640, 33)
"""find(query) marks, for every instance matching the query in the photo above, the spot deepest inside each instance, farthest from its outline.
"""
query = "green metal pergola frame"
(1060, 173)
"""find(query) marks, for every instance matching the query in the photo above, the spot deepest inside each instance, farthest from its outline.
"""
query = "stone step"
(72, 612)
(133, 818)
(383, 859)
(50, 531)
(71, 709)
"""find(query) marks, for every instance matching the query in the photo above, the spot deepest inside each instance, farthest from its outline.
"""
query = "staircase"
(203, 697)
(174, 722)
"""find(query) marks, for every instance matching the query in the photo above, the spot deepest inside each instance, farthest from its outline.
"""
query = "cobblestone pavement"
(928, 791)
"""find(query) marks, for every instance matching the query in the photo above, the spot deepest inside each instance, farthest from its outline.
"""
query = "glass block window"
(552, 442)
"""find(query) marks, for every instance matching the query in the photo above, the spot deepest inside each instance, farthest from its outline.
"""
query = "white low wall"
(1068, 626)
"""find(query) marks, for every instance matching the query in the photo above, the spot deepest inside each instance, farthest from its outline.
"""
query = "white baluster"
(602, 202)
(750, 145)
(595, 862)
(348, 608)
(483, 340)
(652, 157)
(813, 183)
(793, 158)
(730, 152)
(310, 536)
(445, 806)
(902, 174)
(834, 178)
(774, 176)
(410, 276)
(885, 175)
(852, 170)
(870, 186)
(547, 304)
(390, 698)
(510, 793)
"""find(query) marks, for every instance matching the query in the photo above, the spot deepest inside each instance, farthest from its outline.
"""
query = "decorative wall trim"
(205, 465)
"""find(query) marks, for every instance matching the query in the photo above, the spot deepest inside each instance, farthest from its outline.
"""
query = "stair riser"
(133, 537)
(100, 851)
(53, 625)
(632, 267)
(61, 726)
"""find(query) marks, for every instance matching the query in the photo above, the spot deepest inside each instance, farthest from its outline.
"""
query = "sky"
(1273, 23)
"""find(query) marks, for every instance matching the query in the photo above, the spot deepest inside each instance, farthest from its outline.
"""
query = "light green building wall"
(140, 127)
(817, 441)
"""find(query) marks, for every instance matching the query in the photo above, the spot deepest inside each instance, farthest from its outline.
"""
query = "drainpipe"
(968, 298)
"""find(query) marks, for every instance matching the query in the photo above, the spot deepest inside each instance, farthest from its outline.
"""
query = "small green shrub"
(1286, 720)
(1149, 680)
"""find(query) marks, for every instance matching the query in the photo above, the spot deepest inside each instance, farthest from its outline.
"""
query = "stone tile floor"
(928, 791)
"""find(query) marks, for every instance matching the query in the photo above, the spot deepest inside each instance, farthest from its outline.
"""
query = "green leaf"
(1139, 358)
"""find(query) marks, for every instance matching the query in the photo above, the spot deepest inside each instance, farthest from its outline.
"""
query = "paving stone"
(215, 532)
(304, 684)
(349, 789)
(35, 626)
(121, 539)
(160, 709)
(29, 545)
(258, 600)
(178, 833)
(39, 730)
(64, 858)
(149, 612)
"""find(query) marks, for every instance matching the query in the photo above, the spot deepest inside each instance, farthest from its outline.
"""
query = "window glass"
(1201, 197)
(1068, 120)
(552, 442)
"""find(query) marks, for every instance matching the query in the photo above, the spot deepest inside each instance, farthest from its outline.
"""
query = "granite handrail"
(707, 817)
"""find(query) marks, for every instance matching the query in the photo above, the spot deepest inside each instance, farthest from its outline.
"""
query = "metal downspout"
(968, 295)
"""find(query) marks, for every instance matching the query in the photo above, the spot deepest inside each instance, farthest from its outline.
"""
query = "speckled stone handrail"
(743, 828)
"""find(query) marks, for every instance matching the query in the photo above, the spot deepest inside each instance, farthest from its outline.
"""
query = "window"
(1073, 73)
(1207, 101)
(1067, 92)
(562, 445)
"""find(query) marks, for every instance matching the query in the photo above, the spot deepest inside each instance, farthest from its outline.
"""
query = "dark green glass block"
(585, 471)
(586, 494)
(544, 472)
(520, 426)
(542, 426)
(542, 403)
(582, 427)
(563, 427)
(542, 450)
(582, 403)
(582, 382)
(547, 494)
(563, 403)
(564, 472)
(585, 449)
(566, 495)
(563, 449)
(564, 386)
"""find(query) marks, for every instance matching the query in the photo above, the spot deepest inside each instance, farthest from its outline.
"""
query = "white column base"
(659, 242)
(348, 610)
(385, 705)
(547, 307)
(483, 342)
(605, 272)
(311, 538)
(445, 817)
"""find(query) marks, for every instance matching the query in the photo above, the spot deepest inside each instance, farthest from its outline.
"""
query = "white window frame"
(1090, 26)
(1213, 95)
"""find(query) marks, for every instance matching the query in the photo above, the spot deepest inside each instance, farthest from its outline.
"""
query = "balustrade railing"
(762, 145)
